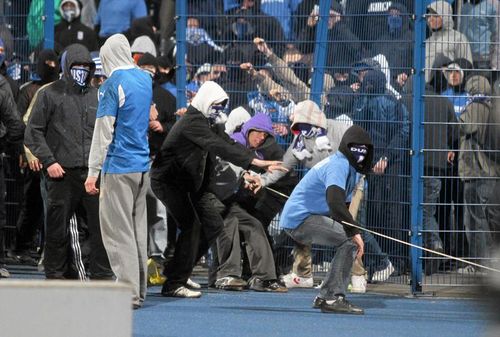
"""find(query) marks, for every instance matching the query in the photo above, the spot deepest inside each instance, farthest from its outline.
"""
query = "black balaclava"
(353, 138)
(47, 74)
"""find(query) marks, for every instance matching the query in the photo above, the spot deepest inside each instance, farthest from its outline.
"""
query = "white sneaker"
(358, 284)
(292, 280)
(383, 275)
(193, 285)
(183, 292)
(471, 271)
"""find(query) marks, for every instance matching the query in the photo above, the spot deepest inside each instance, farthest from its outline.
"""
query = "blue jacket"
(478, 24)
(115, 16)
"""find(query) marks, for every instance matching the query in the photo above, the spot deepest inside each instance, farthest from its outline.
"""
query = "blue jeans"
(432, 189)
(321, 230)
(476, 196)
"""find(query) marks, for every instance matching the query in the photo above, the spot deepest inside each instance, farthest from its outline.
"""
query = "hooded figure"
(316, 213)
(477, 166)
(70, 30)
(59, 133)
(47, 70)
(180, 177)
(444, 39)
(259, 122)
(120, 154)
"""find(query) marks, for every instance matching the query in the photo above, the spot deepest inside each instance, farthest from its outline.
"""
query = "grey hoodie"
(309, 112)
(447, 41)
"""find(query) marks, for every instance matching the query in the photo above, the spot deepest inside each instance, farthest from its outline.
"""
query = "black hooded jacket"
(46, 73)
(336, 196)
(185, 160)
(62, 117)
(67, 33)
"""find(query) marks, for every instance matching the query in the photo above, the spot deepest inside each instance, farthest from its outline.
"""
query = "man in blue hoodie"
(317, 212)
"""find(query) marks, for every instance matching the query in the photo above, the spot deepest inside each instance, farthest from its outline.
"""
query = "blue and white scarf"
(307, 131)
(80, 75)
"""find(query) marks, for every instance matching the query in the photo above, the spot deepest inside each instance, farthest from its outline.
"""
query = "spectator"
(34, 25)
(116, 16)
(444, 39)
(201, 47)
(8, 72)
(438, 121)
(387, 122)
(343, 46)
(10, 134)
(456, 77)
(282, 10)
(120, 150)
(99, 76)
(479, 24)
(396, 44)
(166, 74)
(58, 133)
(324, 191)
(142, 45)
(476, 168)
(71, 30)
(368, 18)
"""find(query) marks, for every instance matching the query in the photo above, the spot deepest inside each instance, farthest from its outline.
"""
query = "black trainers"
(257, 284)
(340, 305)
(318, 301)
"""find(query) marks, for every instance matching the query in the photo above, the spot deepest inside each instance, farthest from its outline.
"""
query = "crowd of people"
(119, 183)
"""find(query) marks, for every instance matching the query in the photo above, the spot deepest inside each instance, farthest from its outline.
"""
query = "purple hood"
(260, 122)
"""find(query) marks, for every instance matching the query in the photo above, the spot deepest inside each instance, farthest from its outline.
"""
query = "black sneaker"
(257, 284)
(318, 301)
(340, 305)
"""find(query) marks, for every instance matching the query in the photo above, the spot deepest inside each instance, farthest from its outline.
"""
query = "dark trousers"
(3, 213)
(62, 249)
(198, 221)
(31, 213)
(239, 223)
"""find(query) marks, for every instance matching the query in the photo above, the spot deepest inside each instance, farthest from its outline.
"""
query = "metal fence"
(370, 62)
(385, 65)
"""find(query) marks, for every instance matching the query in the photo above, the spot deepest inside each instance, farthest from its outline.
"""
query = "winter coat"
(446, 41)
(473, 161)
(385, 119)
(67, 33)
(185, 159)
(480, 25)
(62, 116)
(11, 126)
(165, 104)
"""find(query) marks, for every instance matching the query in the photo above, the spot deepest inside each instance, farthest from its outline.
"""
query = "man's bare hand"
(35, 165)
(269, 165)
(90, 186)
(358, 241)
(450, 157)
(156, 126)
(380, 166)
(55, 171)
(261, 45)
(153, 113)
(180, 112)
(252, 182)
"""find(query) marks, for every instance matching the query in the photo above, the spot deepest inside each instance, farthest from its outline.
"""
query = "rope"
(404, 242)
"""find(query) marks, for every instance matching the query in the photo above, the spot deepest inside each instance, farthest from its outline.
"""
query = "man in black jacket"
(180, 177)
(11, 132)
(59, 133)
(70, 30)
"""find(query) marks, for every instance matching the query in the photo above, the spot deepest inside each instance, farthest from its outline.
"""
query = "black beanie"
(148, 60)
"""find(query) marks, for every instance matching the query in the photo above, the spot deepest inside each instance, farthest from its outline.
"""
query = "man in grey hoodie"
(444, 39)
(120, 150)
